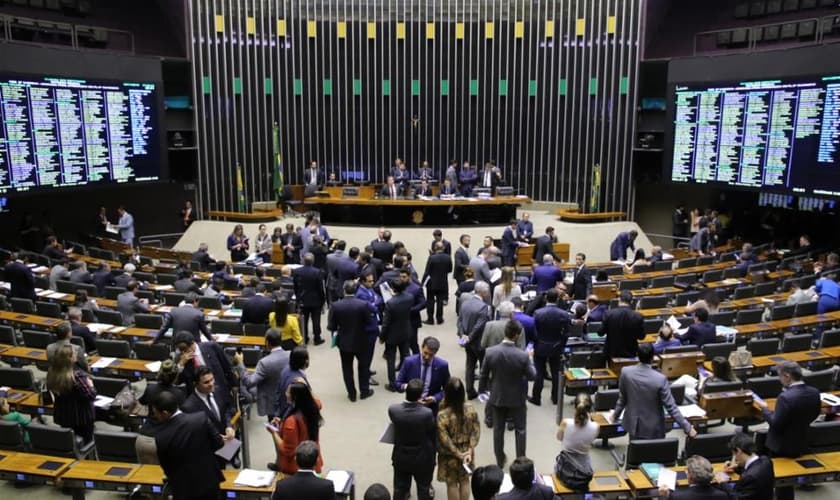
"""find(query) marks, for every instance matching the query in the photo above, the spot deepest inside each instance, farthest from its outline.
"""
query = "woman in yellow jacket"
(287, 324)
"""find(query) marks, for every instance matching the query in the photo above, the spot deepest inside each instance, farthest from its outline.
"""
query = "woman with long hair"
(74, 394)
(577, 433)
(301, 423)
(639, 258)
(507, 288)
(238, 244)
(288, 324)
(458, 431)
(721, 372)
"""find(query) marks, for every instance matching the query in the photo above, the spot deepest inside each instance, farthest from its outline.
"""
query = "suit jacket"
(481, 270)
(447, 247)
(524, 230)
(796, 407)
(126, 226)
(84, 333)
(291, 256)
(700, 334)
(414, 436)
(340, 267)
(619, 246)
(383, 250)
(411, 367)
(80, 276)
(185, 447)
(425, 173)
(438, 267)
(266, 378)
(582, 283)
(385, 192)
(203, 259)
(624, 328)
(127, 305)
(309, 286)
(101, 279)
(304, 484)
(552, 326)
(537, 492)
(544, 246)
(509, 245)
(546, 276)
(401, 177)
(396, 319)
(462, 261)
(418, 303)
(472, 318)
(21, 280)
(452, 175)
(186, 318)
(215, 359)
(193, 404)
(256, 309)
(185, 285)
(374, 305)
(643, 392)
(349, 318)
(81, 356)
(121, 280)
(318, 177)
(452, 189)
(698, 492)
(422, 192)
(756, 481)
(505, 370)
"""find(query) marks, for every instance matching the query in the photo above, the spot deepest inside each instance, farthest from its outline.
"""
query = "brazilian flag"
(240, 189)
(278, 163)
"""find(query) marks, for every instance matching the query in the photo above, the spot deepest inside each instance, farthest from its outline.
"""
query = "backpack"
(572, 471)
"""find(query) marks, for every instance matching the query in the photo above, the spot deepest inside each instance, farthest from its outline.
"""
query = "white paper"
(673, 323)
(112, 228)
(692, 411)
(507, 484)
(98, 327)
(229, 449)
(221, 337)
(387, 436)
(547, 480)
(254, 478)
(830, 399)
(164, 287)
(154, 366)
(231, 313)
(608, 415)
(163, 309)
(495, 275)
(213, 313)
(39, 293)
(40, 269)
(103, 362)
(667, 478)
(56, 295)
(667, 256)
(387, 294)
(103, 402)
(339, 479)
(117, 329)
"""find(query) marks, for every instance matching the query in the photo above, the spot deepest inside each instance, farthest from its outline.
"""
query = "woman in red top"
(300, 424)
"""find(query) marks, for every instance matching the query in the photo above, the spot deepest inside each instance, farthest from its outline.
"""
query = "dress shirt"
(750, 461)
(211, 403)
(393, 189)
(488, 179)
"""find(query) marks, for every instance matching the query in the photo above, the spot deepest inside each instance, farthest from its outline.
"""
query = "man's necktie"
(213, 406)
(425, 376)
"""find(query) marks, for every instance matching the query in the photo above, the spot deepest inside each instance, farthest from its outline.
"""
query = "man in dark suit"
(391, 190)
(430, 369)
(509, 244)
(305, 483)
(74, 315)
(623, 327)
(544, 245)
(462, 258)
(79, 273)
(414, 443)
(524, 228)
(623, 241)
(547, 275)
(701, 332)
(473, 316)
(425, 172)
(348, 318)
(20, 278)
(423, 190)
(202, 257)
(185, 284)
(373, 300)
(53, 250)
(491, 176)
(313, 179)
(185, 444)
(396, 329)
(796, 407)
(185, 318)
(437, 236)
(467, 178)
(505, 373)
(582, 282)
(103, 278)
(128, 303)
(401, 174)
(552, 327)
(391, 274)
(418, 305)
(203, 400)
(340, 268)
(291, 244)
(756, 477)
(447, 189)
(310, 294)
(194, 355)
(525, 487)
(438, 267)
(701, 484)
(383, 249)
(257, 308)
(480, 266)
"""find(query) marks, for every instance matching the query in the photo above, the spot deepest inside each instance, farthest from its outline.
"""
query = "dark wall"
(546, 141)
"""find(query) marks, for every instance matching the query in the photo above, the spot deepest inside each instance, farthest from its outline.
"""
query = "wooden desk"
(677, 364)
(618, 364)
(575, 215)
(149, 478)
(645, 488)
(22, 355)
(730, 404)
(609, 484)
(95, 475)
(599, 377)
(794, 472)
(33, 468)
(245, 491)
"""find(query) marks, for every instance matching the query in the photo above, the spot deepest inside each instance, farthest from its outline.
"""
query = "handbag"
(740, 359)
(572, 471)
(125, 401)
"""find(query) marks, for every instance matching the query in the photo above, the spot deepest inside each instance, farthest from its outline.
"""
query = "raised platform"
(575, 215)
(256, 216)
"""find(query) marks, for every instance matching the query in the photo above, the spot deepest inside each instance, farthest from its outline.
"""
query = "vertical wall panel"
(561, 63)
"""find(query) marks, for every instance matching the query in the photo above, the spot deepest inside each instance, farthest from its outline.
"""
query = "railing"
(156, 240)
(59, 34)
(770, 36)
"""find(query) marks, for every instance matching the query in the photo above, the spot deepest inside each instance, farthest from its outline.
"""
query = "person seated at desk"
(666, 339)
(12, 416)
(701, 332)
(305, 483)
(656, 254)
(710, 301)
(524, 486)
(701, 483)
(721, 372)
(203, 257)
(425, 172)
(401, 174)
(747, 257)
(756, 477)
(332, 180)
(423, 190)
(287, 324)
(165, 379)
(639, 259)
(447, 189)
(595, 310)
(391, 190)
(578, 433)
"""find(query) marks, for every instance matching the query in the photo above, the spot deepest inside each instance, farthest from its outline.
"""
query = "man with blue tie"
(125, 226)
(313, 179)
(430, 369)
(366, 293)
(525, 228)
(509, 244)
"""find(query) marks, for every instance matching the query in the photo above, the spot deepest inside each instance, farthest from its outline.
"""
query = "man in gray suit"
(187, 317)
(505, 372)
(126, 226)
(128, 303)
(643, 392)
(472, 318)
(266, 377)
(414, 443)
(481, 271)
(494, 331)
(63, 332)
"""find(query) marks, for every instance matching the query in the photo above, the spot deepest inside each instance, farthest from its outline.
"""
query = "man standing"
(383, 249)
(525, 228)
(126, 226)
(552, 328)
(452, 175)
(643, 392)
(305, 483)
(582, 282)
(545, 246)
(505, 373)
(185, 448)
(509, 244)
(128, 303)
(79, 273)
(74, 315)
(429, 369)
(473, 317)
(256, 309)
(796, 407)
(437, 236)
(418, 304)
(193, 356)
(266, 377)
(20, 278)
(701, 332)
(396, 329)
(340, 268)
(462, 258)
(436, 277)
(218, 411)
(310, 294)
(291, 243)
(414, 443)
(623, 241)
(187, 317)
(623, 327)
(756, 477)
(63, 332)
(679, 224)
(494, 334)
(313, 179)
(547, 275)
(348, 319)
(479, 265)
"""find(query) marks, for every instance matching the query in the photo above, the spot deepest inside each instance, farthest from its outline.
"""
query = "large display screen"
(773, 134)
(57, 132)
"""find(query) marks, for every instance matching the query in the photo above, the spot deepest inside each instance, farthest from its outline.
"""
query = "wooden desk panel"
(499, 200)
(730, 404)
(606, 483)
(93, 475)
(28, 467)
(678, 364)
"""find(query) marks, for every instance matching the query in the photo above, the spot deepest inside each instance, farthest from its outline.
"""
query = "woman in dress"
(301, 423)
(288, 325)
(74, 394)
(263, 244)
(458, 431)
(578, 433)
(238, 245)
(507, 288)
